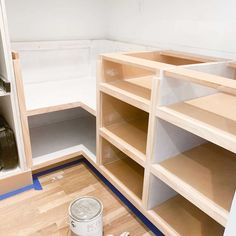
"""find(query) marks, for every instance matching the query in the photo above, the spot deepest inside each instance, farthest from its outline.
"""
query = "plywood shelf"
(208, 117)
(177, 216)
(127, 147)
(205, 175)
(133, 133)
(135, 95)
(63, 140)
(58, 95)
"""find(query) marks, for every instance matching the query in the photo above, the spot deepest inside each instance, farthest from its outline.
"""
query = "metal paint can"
(85, 216)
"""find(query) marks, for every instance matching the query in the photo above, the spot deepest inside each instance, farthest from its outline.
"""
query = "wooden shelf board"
(208, 117)
(63, 140)
(205, 175)
(123, 146)
(177, 216)
(143, 82)
(133, 133)
(50, 96)
(128, 92)
(126, 174)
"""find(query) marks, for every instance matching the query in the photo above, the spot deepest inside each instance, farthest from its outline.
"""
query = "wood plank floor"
(45, 212)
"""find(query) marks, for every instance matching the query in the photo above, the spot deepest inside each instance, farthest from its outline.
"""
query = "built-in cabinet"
(166, 137)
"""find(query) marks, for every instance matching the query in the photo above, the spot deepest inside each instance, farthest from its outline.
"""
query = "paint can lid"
(85, 208)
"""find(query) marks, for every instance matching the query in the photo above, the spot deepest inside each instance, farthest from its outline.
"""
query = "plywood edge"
(205, 79)
(134, 154)
(125, 96)
(135, 61)
(56, 160)
(198, 199)
(16, 181)
(61, 107)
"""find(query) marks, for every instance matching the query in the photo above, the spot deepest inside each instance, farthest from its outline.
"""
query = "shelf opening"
(62, 133)
(199, 170)
(176, 215)
(131, 80)
(125, 172)
(127, 123)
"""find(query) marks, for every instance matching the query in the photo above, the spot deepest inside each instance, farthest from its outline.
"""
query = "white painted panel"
(204, 26)
(54, 65)
(58, 137)
(31, 20)
(159, 192)
(172, 140)
(175, 90)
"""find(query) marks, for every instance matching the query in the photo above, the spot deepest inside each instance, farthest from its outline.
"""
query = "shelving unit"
(205, 175)
(177, 115)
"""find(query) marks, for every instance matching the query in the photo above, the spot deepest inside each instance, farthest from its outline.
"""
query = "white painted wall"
(201, 26)
(33, 20)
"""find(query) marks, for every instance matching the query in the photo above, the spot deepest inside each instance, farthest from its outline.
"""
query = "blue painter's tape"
(36, 183)
(15, 192)
(45, 172)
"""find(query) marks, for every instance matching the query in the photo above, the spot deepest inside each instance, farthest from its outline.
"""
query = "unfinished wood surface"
(179, 217)
(46, 212)
(205, 175)
(210, 80)
(221, 104)
(215, 125)
(135, 61)
(172, 57)
(15, 181)
(133, 133)
(22, 107)
(133, 98)
(127, 172)
(122, 145)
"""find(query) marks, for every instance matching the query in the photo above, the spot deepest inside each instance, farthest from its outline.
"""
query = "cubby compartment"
(202, 172)
(125, 126)
(122, 171)
(201, 103)
(61, 135)
(127, 82)
(172, 57)
(175, 215)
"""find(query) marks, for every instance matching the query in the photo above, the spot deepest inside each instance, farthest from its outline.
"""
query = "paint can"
(85, 217)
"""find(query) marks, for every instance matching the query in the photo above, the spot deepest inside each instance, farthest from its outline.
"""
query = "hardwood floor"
(45, 212)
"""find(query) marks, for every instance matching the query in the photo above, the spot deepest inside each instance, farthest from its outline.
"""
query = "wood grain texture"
(205, 175)
(185, 219)
(45, 212)
(22, 106)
